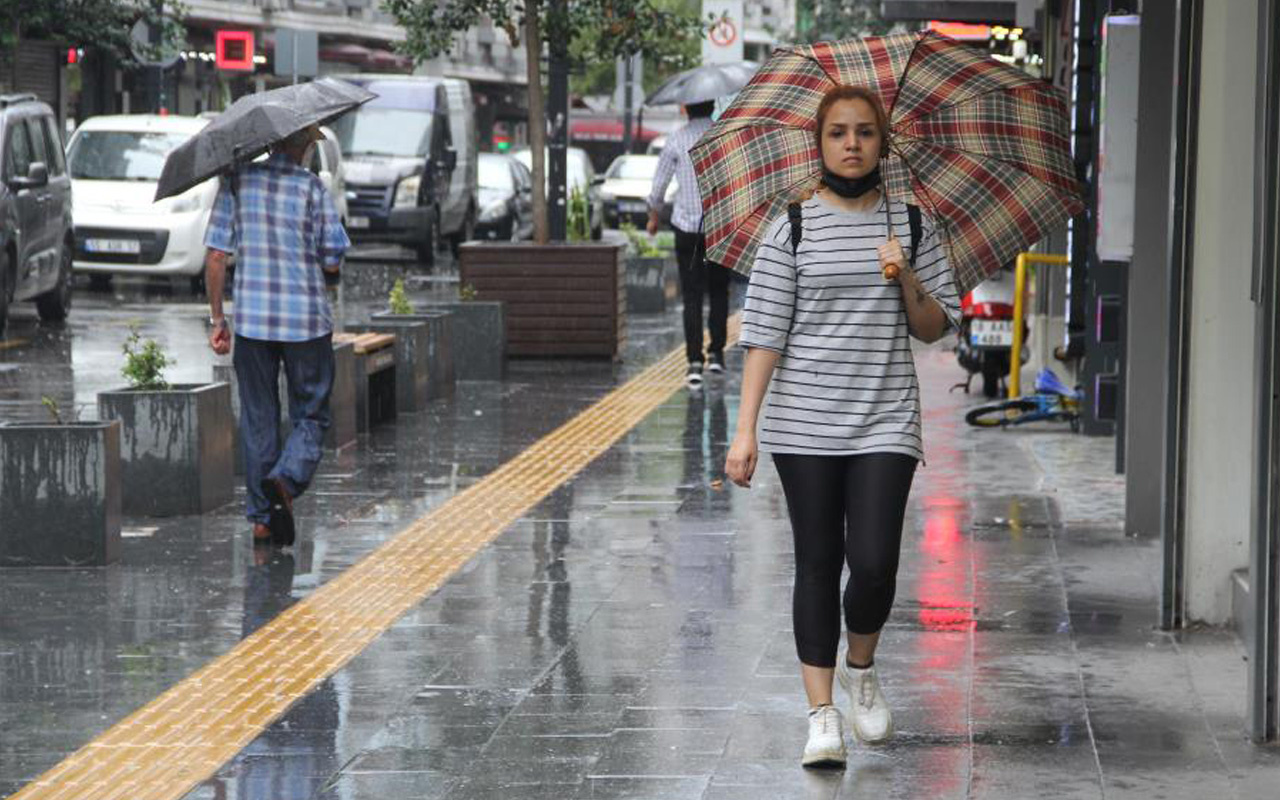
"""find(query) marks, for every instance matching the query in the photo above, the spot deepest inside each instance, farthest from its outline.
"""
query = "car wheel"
(197, 282)
(55, 304)
(427, 249)
(4, 290)
(100, 281)
(467, 234)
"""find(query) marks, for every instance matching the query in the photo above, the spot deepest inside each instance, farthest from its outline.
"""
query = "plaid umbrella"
(980, 146)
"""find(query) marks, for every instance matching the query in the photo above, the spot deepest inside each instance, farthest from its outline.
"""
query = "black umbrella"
(700, 84)
(251, 125)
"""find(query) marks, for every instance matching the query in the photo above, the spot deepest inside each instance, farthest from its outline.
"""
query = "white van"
(410, 158)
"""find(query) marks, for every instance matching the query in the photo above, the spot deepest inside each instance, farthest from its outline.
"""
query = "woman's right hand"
(740, 464)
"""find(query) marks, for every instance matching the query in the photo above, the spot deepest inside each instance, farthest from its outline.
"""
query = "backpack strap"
(797, 226)
(913, 220)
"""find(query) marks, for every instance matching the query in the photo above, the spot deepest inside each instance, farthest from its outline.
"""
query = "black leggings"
(843, 508)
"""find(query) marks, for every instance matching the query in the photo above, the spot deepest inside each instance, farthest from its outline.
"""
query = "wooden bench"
(375, 377)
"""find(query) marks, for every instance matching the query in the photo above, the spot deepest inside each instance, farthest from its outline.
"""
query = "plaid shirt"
(686, 211)
(283, 229)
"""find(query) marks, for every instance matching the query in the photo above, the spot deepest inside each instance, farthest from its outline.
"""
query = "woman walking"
(827, 319)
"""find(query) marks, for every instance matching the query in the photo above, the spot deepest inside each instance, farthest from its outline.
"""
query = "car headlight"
(185, 203)
(407, 191)
(493, 211)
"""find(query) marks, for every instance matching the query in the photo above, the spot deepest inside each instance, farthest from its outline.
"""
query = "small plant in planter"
(144, 362)
(467, 293)
(398, 300)
(176, 439)
(646, 271)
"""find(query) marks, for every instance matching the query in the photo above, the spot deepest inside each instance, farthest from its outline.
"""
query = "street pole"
(558, 122)
(627, 103)
(154, 36)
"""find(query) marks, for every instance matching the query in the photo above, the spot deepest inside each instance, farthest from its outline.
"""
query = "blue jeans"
(308, 369)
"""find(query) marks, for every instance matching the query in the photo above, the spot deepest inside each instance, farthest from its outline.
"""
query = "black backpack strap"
(913, 220)
(797, 226)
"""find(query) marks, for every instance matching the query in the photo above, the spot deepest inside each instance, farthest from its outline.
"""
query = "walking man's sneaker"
(694, 374)
(717, 363)
(825, 747)
(872, 722)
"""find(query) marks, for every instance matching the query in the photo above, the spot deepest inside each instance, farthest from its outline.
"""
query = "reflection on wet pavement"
(630, 636)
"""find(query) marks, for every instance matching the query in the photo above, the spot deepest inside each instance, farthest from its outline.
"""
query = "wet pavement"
(630, 637)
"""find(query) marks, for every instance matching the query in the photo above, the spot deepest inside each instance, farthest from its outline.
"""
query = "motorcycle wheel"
(993, 367)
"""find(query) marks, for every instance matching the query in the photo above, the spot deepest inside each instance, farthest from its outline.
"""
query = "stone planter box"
(424, 356)
(479, 338)
(342, 400)
(646, 285)
(565, 299)
(176, 447)
(59, 494)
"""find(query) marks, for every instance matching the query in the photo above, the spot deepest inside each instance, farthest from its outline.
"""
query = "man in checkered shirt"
(697, 277)
(284, 229)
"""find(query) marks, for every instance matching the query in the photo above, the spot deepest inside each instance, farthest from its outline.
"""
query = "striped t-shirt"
(846, 382)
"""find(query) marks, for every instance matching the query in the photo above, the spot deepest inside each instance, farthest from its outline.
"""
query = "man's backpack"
(797, 229)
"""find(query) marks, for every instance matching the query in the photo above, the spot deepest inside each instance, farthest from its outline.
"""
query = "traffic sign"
(723, 42)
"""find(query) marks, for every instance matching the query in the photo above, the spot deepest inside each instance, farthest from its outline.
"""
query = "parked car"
(115, 162)
(625, 191)
(410, 161)
(581, 175)
(506, 198)
(35, 210)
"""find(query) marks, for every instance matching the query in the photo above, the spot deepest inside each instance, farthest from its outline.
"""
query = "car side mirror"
(450, 159)
(37, 176)
(597, 180)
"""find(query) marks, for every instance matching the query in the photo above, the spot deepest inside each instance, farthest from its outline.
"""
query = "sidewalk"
(630, 638)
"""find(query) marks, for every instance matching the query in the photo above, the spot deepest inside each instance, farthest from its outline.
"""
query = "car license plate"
(357, 222)
(991, 333)
(129, 246)
(633, 206)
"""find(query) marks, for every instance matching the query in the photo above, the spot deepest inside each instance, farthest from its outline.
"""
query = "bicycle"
(1053, 401)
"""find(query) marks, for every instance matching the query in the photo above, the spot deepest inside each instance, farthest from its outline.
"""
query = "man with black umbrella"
(281, 224)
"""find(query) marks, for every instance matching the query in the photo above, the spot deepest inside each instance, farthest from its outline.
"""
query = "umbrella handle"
(890, 271)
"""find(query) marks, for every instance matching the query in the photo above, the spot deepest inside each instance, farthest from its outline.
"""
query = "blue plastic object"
(1047, 382)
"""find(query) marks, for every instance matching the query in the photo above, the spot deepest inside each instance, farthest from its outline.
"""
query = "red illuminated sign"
(961, 30)
(234, 50)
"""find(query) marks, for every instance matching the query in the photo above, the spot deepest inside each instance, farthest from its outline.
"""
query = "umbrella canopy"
(700, 84)
(251, 125)
(980, 146)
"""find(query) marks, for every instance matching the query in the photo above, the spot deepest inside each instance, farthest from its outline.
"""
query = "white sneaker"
(693, 375)
(825, 747)
(872, 722)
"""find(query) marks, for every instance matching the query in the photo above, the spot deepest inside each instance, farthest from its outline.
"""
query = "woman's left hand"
(892, 259)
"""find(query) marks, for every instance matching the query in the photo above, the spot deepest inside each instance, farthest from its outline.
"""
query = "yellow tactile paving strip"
(167, 747)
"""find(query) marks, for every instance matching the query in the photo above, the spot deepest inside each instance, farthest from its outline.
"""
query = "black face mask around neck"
(851, 188)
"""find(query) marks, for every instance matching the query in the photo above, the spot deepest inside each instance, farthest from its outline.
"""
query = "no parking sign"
(723, 41)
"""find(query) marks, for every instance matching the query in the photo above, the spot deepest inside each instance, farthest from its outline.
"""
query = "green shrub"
(144, 362)
(641, 244)
(398, 300)
(579, 218)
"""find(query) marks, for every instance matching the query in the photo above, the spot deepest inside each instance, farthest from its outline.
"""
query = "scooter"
(986, 332)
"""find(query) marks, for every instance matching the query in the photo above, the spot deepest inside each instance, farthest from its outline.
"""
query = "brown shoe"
(281, 524)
